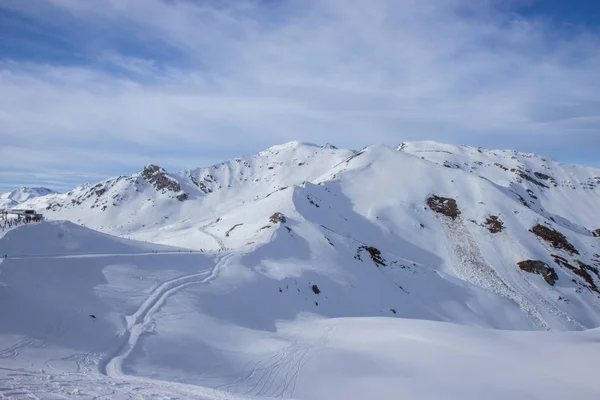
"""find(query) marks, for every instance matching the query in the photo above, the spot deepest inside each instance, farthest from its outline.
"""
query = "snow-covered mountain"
(22, 194)
(517, 225)
(314, 253)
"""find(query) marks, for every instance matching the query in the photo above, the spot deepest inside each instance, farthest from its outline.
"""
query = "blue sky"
(97, 88)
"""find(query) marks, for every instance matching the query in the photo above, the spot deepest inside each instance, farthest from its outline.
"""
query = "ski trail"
(141, 320)
(276, 375)
(215, 237)
(97, 255)
(470, 266)
(13, 351)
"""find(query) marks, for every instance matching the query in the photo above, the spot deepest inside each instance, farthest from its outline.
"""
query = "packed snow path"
(94, 255)
(141, 321)
(202, 229)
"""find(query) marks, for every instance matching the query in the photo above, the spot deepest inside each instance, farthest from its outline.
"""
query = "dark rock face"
(277, 218)
(524, 175)
(444, 205)
(374, 253)
(494, 224)
(540, 268)
(582, 270)
(543, 176)
(158, 177)
(596, 233)
(352, 157)
(555, 238)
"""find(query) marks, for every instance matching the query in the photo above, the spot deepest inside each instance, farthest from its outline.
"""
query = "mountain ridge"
(300, 250)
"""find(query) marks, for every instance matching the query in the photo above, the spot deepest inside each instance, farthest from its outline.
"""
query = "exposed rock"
(358, 153)
(596, 232)
(494, 224)
(443, 205)
(374, 253)
(543, 176)
(277, 218)
(231, 229)
(316, 289)
(158, 177)
(555, 238)
(528, 177)
(531, 194)
(521, 199)
(448, 164)
(541, 268)
(582, 271)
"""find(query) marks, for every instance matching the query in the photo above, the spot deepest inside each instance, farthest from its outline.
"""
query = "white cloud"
(229, 79)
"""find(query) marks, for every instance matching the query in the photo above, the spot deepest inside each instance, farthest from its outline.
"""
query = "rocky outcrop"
(277, 218)
(373, 252)
(493, 224)
(444, 205)
(158, 177)
(540, 268)
(555, 238)
(524, 175)
(582, 270)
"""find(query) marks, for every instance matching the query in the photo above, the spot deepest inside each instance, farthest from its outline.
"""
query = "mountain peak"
(294, 144)
(23, 194)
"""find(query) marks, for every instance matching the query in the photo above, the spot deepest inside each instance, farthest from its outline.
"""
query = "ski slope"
(217, 326)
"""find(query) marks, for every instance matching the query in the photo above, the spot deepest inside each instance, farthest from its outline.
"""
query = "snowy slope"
(22, 194)
(379, 198)
(120, 319)
(178, 203)
(326, 274)
(564, 192)
(339, 205)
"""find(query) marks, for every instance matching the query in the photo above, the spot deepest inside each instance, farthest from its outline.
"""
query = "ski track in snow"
(215, 237)
(276, 376)
(141, 321)
(471, 266)
(95, 255)
(17, 384)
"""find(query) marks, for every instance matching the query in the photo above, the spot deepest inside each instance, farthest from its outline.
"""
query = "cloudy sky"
(96, 88)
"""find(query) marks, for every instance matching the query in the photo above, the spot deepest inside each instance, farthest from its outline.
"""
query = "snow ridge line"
(141, 321)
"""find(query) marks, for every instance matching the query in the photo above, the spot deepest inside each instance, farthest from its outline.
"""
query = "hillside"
(100, 316)
(308, 253)
(21, 195)
(516, 225)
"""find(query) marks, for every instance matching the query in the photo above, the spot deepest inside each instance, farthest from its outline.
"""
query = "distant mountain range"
(22, 194)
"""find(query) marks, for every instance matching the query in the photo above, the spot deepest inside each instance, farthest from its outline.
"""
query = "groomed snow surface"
(273, 291)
